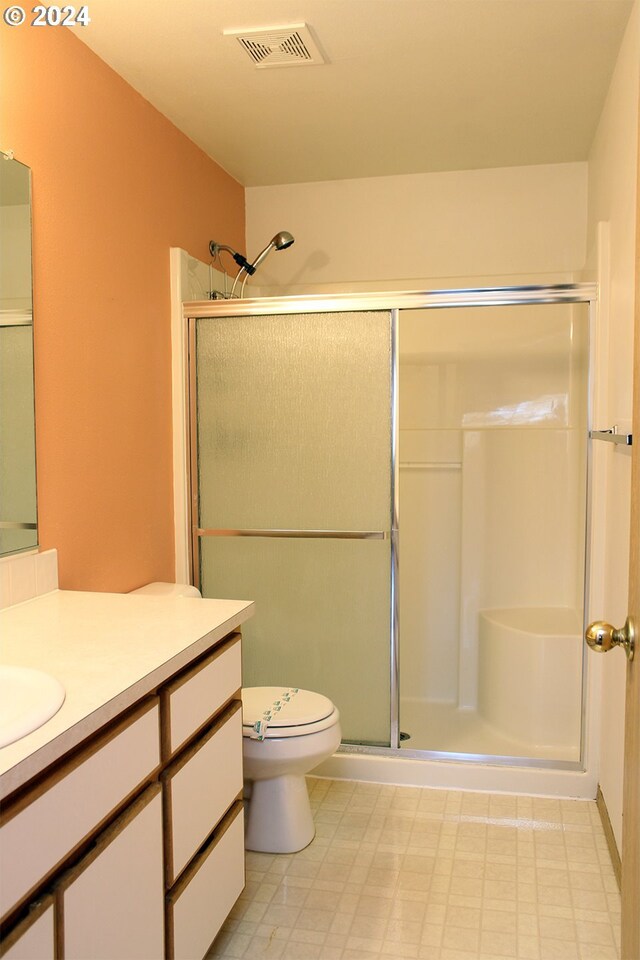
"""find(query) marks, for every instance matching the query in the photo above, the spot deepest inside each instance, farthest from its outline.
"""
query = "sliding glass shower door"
(493, 459)
(294, 501)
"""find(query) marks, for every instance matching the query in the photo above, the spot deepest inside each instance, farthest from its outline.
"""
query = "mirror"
(18, 522)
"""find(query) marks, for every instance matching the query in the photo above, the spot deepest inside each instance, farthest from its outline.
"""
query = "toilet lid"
(283, 706)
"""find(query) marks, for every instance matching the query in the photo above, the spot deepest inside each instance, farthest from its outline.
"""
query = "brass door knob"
(601, 637)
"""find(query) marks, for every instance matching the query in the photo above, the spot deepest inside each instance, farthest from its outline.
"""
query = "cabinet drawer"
(113, 901)
(203, 898)
(40, 830)
(200, 787)
(193, 699)
(34, 938)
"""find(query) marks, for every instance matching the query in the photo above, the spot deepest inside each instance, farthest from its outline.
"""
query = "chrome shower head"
(281, 241)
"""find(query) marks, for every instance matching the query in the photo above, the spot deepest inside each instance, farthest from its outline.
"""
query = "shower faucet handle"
(602, 637)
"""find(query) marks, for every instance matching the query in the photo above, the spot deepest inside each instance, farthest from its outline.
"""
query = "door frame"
(630, 853)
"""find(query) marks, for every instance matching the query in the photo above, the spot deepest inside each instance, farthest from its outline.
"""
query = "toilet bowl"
(286, 732)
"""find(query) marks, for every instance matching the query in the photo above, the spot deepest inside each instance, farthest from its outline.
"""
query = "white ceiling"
(410, 86)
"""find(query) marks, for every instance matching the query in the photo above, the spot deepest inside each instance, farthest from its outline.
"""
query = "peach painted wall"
(115, 185)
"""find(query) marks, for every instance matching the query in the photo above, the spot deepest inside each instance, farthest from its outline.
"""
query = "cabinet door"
(34, 938)
(113, 901)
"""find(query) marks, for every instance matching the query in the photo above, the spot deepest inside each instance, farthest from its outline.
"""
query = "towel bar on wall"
(612, 436)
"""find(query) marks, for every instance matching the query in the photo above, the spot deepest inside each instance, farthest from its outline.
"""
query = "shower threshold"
(444, 728)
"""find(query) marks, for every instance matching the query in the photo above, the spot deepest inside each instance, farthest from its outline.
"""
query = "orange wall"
(115, 185)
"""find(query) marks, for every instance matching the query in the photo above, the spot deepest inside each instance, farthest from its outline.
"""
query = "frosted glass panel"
(294, 422)
(322, 619)
(294, 433)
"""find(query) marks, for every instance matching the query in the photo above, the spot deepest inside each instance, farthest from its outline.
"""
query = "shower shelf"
(612, 436)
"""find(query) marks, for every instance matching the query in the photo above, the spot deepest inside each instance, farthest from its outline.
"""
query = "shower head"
(281, 241)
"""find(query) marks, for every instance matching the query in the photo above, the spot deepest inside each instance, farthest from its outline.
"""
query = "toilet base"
(279, 816)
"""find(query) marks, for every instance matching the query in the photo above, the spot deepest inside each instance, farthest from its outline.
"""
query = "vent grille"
(291, 45)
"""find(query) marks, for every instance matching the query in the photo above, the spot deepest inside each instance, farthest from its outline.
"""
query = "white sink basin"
(28, 698)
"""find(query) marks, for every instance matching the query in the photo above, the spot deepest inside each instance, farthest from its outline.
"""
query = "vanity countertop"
(108, 650)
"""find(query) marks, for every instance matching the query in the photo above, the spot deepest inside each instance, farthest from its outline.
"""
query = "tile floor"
(406, 873)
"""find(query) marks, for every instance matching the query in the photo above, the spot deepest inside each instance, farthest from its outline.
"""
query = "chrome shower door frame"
(392, 301)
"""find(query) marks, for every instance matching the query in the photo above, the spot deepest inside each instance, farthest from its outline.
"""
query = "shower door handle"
(602, 637)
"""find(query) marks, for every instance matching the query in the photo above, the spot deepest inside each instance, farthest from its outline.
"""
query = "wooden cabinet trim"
(38, 909)
(167, 826)
(107, 837)
(187, 875)
(193, 747)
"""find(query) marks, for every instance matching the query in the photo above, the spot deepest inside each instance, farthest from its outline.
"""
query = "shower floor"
(444, 727)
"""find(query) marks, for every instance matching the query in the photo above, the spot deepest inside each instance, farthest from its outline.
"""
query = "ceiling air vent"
(287, 46)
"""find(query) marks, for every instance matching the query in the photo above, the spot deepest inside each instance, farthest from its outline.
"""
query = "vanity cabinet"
(136, 840)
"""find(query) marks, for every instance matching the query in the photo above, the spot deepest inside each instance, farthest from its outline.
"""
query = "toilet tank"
(159, 589)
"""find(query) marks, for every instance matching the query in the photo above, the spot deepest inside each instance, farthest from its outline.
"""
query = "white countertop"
(108, 650)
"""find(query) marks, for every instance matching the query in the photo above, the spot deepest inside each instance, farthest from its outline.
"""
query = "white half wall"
(191, 279)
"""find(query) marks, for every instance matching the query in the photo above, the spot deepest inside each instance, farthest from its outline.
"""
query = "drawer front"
(113, 901)
(195, 697)
(201, 787)
(34, 937)
(212, 886)
(56, 817)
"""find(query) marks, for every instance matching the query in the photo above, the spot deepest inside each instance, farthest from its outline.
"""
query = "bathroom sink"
(28, 698)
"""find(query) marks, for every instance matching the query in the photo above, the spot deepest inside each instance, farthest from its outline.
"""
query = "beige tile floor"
(406, 872)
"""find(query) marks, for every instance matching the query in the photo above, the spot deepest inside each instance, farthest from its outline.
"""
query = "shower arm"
(243, 263)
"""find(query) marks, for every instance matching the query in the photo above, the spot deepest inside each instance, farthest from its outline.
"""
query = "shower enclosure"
(400, 483)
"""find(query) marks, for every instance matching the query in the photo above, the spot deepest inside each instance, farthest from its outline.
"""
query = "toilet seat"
(289, 712)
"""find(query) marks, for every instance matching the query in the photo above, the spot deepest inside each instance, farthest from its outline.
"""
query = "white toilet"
(286, 732)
